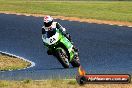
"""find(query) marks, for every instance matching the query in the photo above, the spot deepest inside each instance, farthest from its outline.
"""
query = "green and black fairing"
(62, 42)
(61, 47)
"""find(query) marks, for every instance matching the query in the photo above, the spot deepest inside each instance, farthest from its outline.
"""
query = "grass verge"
(101, 10)
(57, 84)
(12, 63)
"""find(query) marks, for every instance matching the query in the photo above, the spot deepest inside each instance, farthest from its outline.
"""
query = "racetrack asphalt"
(103, 48)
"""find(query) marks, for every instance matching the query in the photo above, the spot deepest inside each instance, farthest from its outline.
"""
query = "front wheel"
(62, 56)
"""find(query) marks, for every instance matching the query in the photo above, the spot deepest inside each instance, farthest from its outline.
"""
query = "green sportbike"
(61, 48)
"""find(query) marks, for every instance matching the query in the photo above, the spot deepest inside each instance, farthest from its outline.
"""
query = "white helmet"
(48, 21)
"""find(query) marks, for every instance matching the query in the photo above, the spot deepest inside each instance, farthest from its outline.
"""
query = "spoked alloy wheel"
(62, 57)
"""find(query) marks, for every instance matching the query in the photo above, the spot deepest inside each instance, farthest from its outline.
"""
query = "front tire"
(62, 56)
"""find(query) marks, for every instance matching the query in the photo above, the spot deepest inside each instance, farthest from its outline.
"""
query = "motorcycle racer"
(49, 26)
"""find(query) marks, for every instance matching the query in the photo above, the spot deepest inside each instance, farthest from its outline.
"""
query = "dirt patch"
(120, 23)
(8, 62)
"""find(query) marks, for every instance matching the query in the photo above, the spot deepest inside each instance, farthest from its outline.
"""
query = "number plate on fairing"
(51, 40)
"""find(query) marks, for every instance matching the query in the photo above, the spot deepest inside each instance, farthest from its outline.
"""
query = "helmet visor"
(48, 24)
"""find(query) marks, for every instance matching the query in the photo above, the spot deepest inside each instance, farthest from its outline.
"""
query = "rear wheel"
(76, 61)
(62, 57)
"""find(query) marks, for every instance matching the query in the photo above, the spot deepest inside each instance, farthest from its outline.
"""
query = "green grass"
(57, 84)
(102, 10)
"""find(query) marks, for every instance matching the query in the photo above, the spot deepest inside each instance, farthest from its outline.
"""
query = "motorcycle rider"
(50, 25)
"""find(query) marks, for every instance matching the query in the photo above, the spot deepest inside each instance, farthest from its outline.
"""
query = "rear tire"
(76, 61)
(62, 57)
